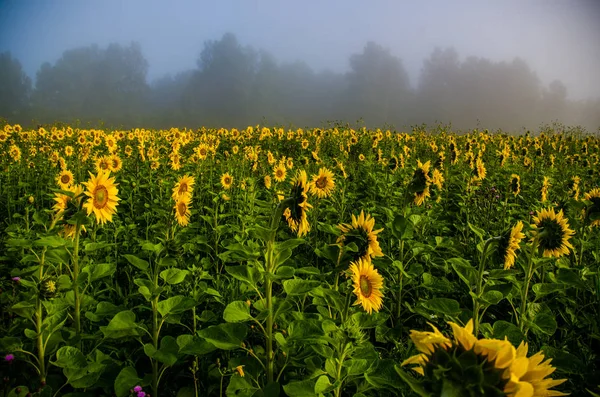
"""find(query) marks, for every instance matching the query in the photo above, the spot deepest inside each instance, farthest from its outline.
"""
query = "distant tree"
(15, 89)
(219, 92)
(378, 86)
(93, 84)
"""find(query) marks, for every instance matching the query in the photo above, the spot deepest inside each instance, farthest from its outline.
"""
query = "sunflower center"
(321, 182)
(553, 234)
(100, 197)
(279, 173)
(65, 179)
(365, 286)
(181, 209)
(183, 188)
(227, 180)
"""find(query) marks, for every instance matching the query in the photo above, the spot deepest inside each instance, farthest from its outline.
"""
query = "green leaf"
(323, 385)
(125, 381)
(442, 305)
(237, 312)
(357, 366)
(492, 297)
(248, 274)
(174, 305)
(301, 388)
(288, 244)
(402, 228)
(194, 345)
(465, 271)
(383, 375)
(166, 354)
(240, 387)
(478, 231)
(70, 357)
(227, 336)
(173, 276)
(542, 289)
(503, 329)
(299, 286)
(24, 309)
(564, 361)
(121, 325)
(51, 241)
(98, 271)
(137, 262)
(544, 323)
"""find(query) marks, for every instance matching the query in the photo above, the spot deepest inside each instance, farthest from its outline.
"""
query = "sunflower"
(515, 184)
(361, 233)
(367, 285)
(553, 238)
(322, 183)
(267, 181)
(545, 188)
(103, 164)
(437, 178)
(419, 185)
(115, 163)
(509, 244)
(361, 157)
(296, 213)
(102, 196)
(67, 205)
(182, 209)
(15, 152)
(184, 186)
(279, 172)
(593, 210)
(479, 366)
(479, 170)
(226, 181)
(64, 179)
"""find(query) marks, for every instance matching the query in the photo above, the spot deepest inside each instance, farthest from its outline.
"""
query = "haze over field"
(502, 64)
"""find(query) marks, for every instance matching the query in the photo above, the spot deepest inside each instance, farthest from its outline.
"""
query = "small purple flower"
(497, 196)
(137, 389)
(9, 357)
(141, 394)
(16, 279)
(530, 212)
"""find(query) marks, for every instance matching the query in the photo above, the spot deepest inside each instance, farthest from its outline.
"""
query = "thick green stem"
(76, 291)
(479, 290)
(528, 277)
(41, 351)
(400, 281)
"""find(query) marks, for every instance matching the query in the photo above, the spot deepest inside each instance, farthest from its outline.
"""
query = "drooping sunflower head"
(226, 181)
(479, 367)
(184, 186)
(65, 179)
(368, 284)
(553, 232)
(102, 196)
(515, 184)
(421, 177)
(296, 212)
(479, 172)
(506, 252)
(361, 233)
(545, 189)
(593, 210)
(182, 209)
(322, 183)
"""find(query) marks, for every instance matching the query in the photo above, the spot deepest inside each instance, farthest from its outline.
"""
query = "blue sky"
(559, 39)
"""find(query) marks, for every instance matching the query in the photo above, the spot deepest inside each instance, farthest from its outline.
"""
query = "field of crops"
(315, 262)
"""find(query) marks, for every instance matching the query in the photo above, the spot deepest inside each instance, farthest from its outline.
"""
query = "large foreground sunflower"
(322, 183)
(361, 233)
(102, 196)
(467, 366)
(296, 213)
(367, 285)
(184, 186)
(553, 232)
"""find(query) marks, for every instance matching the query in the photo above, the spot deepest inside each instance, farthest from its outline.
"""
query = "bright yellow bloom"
(361, 232)
(554, 234)
(322, 183)
(102, 196)
(184, 186)
(182, 209)
(367, 285)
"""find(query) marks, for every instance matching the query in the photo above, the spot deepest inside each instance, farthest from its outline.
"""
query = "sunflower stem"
(76, 291)
(479, 290)
(528, 276)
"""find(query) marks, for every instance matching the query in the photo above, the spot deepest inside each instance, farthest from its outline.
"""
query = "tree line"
(234, 86)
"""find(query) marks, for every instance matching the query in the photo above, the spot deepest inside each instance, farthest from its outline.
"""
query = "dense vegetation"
(269, 261)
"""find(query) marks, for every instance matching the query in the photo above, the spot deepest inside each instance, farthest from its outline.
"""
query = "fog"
(508, 64)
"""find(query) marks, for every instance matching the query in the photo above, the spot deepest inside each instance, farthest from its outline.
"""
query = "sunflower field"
(307, 262)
